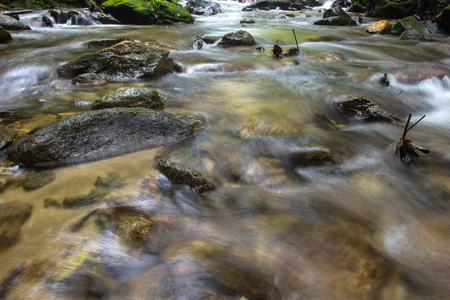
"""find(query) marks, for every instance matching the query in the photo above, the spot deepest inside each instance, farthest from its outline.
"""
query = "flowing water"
(369, 227)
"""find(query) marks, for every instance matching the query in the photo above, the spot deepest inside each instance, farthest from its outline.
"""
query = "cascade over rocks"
(238, 38)
(98, 134)
(203, 7)
(141, 12)
(115, 67)
(81, 17)
(130, 97)
(10, 23)
(281, 4)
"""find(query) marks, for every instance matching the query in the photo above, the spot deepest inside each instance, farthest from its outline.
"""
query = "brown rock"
(416, 74)
(5, 36)
(380, 27)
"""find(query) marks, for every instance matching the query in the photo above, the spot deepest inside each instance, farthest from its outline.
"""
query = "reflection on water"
(362, 227)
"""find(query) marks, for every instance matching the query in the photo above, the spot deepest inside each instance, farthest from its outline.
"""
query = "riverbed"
(367, 227)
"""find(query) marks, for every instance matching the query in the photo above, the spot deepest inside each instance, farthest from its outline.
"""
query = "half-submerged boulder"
(411, 23)
(131, 97)
(363, 109)
(115, 67)
(10, 23)
(203, 7)
(100, 134)
(141, 12)
(5, 36)
(443, 20)
(238, 38)
(180, 174)
(413, 75)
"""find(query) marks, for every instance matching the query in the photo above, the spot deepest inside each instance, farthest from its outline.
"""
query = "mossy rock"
(410, 23)
(395, 9)
(115, 67)
(131, 97)
(99, 134)
(38, 179)
(142, 12)
(133, 230)
(180, 174)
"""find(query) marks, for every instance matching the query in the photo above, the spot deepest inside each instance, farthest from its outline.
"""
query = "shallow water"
(367, 228)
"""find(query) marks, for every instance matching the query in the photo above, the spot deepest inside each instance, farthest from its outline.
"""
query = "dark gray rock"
(9, 23)
(131, 97)
(115, 67)
(363, 109)
(203, 7)
(180, 174)
(336, 21)
(238, 38)
(12, 216)
(99, 134)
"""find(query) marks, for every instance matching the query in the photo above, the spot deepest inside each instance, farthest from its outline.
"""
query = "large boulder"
(393, 9)
(12, 216)
(130, 97)
(203, 7)
(5, 36)
(141, 12)
(99, 134)
(443, 20)
(9, 23)
(115, 67)
(411, 23)
(238, 38)
(363, 109)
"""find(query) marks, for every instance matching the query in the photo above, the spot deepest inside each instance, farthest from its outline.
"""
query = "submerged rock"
(203, 7)
(95, 196)
(114, 67)
(99, 134)
(180, 174)
(130, 97)
(380, 27)
(281, 4)
(9, 23)
(111, 180)
(363, 109)
(5, 36)
(414, 75)
(410, 23)
(141, 12)
(307, 157)
(12, 216)
(38, 179)
(238, 38)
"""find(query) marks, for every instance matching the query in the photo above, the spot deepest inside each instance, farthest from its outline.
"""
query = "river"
(369, 227)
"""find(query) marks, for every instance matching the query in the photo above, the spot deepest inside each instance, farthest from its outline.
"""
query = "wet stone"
(38, 180)
(312, 157)
(104, 43)
(180, 174)
(51, 203)
(238, 38)
(88, 79)
(94, 197)
(380, 27)
(414, 75)
(133, 230)
(363, 109)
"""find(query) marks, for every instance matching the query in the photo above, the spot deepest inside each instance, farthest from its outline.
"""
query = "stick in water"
(295, 39)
